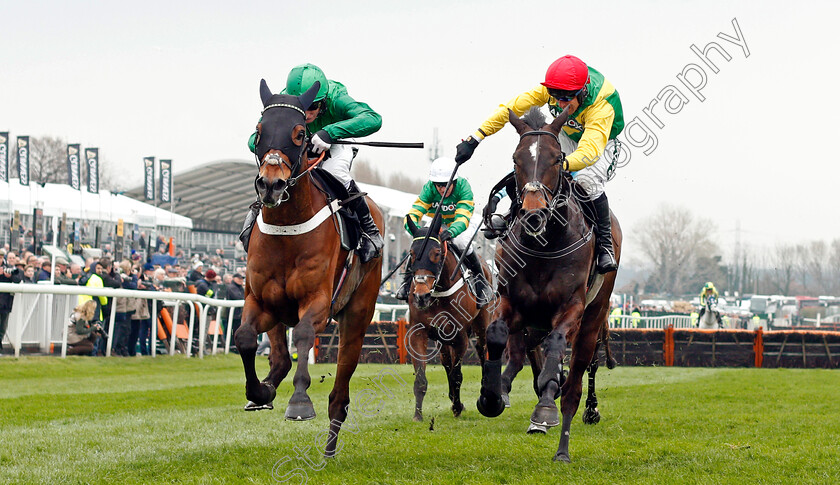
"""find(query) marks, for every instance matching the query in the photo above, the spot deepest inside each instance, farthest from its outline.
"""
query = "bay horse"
(295, 270)
(547, 287)
(441, 308)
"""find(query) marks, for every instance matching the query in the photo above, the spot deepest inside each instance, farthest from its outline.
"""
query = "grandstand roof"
(57, 199)
(216, 195)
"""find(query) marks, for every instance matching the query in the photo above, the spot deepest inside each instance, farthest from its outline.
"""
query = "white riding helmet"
(442, 169)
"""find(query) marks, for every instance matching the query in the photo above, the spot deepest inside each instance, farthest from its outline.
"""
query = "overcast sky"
(180, 80)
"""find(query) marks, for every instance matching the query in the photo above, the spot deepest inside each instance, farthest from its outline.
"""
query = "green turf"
(176, 420)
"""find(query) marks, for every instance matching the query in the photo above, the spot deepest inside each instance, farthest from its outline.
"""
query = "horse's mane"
(535, 118)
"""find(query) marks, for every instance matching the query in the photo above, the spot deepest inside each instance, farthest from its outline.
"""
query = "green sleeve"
(463, 208)
(428, 196)
(345, 117)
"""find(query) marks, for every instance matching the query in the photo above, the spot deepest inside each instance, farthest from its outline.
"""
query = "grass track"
(176, 420)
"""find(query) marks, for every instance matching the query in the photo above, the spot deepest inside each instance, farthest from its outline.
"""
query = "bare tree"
(782, 267)
(673, 240)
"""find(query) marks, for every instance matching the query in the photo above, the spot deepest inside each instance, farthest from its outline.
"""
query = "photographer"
(84, 330)
(10, 274)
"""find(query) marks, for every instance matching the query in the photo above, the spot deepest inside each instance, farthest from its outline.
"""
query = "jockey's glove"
(445, 236)
(490, 208)
(465, 150)
(321, 141)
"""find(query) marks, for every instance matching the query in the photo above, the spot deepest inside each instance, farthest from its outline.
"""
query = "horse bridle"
(536, 185)
(275, 159)
(422, 278)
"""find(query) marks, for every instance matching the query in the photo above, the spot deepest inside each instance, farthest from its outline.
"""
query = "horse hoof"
(545, 416)
(457, 409)
(418, 418)
(562, 457)
(264, 394)
(506, 400)
(591, 416)
(303, 411)
(490, 408)
(252, 406)
(536, 429)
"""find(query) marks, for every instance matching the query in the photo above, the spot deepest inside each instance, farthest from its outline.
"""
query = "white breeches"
(338, 165)
(594, 177)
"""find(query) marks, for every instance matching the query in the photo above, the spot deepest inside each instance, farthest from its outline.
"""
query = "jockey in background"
(334, 115)
(456, 210)
(596, 118)
(708, 291)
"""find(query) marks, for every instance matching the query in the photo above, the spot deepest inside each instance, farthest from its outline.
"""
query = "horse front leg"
(490, 403)
(254, 321)
(583, 352)
(418, 342)
(516, 360)
(300, 405)
(451, 357)
(279, 362)
(548, 383)
(279, 358)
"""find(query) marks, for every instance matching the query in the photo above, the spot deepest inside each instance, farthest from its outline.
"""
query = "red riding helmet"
(567, 73)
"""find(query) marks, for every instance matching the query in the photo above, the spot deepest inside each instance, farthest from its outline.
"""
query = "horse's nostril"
(261, 183)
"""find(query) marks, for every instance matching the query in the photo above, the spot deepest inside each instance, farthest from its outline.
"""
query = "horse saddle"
(347, 223)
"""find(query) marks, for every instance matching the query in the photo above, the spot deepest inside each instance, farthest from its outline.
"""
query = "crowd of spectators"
(217, 278)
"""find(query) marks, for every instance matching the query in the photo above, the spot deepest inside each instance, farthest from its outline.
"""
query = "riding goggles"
(564, 95)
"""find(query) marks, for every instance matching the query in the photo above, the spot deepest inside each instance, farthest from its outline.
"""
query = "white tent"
(57, 199)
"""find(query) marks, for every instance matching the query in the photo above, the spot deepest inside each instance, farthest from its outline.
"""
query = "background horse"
(711, 316)
(441, 308)
(295, 266)
(547, 287)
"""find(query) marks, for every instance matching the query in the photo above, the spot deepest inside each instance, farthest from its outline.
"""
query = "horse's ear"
(307, 97)
(558, 122)
(412, 227)
(521, 126)
(265, 93)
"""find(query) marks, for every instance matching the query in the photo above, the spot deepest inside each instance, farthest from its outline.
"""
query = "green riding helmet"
(302, 77)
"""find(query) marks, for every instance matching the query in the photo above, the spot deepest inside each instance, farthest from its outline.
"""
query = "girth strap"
(303, 227)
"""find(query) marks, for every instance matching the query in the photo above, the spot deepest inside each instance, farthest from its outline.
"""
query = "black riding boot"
(482, 287)
(603, 236)
(402, 293)
(250, 219)
(372, 242)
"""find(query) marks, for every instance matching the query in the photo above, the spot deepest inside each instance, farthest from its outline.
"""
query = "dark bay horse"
(296, 266)
(547, 288)
(443, 309)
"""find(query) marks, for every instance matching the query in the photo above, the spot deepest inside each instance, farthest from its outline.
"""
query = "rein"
(554, 202)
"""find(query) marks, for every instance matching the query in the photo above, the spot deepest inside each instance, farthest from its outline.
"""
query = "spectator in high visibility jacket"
(206, 286)
(93, 279)
(636, 317)
(615, 315)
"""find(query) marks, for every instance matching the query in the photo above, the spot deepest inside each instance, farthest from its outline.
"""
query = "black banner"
(92, 159)
(4, 156)
(73, 173)
(149, 178)
(23, 159)
(165, 180)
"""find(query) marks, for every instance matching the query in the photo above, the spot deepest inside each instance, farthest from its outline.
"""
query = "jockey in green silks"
(334, 115)
(456, 207)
